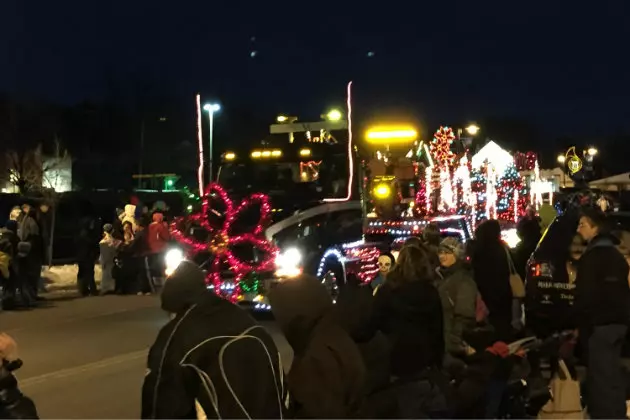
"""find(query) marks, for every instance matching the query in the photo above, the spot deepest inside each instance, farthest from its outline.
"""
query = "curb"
(52, 288)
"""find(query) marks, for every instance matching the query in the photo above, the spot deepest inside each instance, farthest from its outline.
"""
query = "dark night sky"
(560, 64)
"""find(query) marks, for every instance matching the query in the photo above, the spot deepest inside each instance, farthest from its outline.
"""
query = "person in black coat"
(601, 309)
(408, 310)
(491, 272)
(212, 360)
(327, 376)
(354, 312)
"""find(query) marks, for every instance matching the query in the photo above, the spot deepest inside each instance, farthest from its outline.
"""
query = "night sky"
(562, 65)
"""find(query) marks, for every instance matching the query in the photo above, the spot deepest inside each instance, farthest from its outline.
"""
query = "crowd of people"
(24, 247)
(129, 251)
(399, 347)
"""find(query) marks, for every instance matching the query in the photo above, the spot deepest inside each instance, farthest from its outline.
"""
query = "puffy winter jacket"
(157, 235)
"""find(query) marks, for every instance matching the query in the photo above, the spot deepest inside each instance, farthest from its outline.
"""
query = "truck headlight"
(172, 260)
(289, 263)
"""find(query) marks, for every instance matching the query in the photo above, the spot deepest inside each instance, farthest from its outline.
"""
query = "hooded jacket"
(458, 293)
(410, 315)
(601, 286)
(327, 377)
(211, 357)
(129, 215)
(157, 235)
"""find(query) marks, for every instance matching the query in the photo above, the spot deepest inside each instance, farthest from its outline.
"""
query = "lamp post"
(211, 108)
(471, 129)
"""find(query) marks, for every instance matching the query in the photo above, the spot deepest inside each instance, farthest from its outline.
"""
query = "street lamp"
(561, 159)
(592, 151)
(472, 129)
(211, 108)
(334, 115)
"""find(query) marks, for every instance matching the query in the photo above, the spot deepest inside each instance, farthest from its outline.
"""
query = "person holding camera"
(13, 404)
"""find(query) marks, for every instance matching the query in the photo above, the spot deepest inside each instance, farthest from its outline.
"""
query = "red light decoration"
(440, 147)
(222, 240)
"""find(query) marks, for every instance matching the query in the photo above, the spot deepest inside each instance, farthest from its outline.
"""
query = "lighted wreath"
(221, 239)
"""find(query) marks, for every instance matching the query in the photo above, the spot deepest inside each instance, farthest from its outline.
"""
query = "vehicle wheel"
(333, 279)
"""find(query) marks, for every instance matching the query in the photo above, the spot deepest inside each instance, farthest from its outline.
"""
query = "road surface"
(85, 357)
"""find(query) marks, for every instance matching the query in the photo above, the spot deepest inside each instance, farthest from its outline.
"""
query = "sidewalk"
(64, 277)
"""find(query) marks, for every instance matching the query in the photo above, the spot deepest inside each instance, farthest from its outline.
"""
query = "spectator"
(327, 377)
(87, 252)
(491, 272)
(13, 404)
(602, 295)
(458, 292)
(29, 232)
(407, 309)
(211, 360)
(108, 248)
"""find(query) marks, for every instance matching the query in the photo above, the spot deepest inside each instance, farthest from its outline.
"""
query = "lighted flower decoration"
(440, 147)
(222, 240)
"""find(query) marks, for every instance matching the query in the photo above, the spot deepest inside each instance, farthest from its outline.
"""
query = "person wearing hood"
(491, 272)
(601, 310)
(408, 310)
(327, 376)
(211, 360)
(458, 293)
(354, 312)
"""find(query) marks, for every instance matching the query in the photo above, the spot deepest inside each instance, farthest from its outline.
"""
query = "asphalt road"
(85, 357)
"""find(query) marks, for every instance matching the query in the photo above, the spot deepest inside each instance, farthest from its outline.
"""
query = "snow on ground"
(64, 275)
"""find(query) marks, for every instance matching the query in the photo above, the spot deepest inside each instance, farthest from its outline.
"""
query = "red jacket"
(158, 234)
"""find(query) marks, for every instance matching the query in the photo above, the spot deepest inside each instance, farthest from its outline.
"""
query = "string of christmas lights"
(222, 239)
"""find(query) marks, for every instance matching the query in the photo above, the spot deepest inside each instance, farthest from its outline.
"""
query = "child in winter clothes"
(108, 247)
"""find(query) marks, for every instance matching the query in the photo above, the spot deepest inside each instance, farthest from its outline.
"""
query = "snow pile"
(66, 274)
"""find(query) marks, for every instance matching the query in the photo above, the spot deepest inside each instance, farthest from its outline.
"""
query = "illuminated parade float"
(329, 201)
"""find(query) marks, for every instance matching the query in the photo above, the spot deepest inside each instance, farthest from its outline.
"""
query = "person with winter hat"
(458, 293)
(212, 360)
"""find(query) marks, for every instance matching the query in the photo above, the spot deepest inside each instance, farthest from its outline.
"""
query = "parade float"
(343, 202)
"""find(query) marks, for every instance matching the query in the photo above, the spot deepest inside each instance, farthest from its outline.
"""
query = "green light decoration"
(250, 283)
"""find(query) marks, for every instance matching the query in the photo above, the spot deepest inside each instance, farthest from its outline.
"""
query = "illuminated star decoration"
(222, 241)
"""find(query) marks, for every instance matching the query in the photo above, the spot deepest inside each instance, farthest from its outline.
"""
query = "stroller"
(495, 384)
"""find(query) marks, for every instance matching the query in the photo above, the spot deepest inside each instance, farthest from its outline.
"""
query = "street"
(85, 357)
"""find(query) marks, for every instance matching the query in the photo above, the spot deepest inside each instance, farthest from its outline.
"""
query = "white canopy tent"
(619, 182)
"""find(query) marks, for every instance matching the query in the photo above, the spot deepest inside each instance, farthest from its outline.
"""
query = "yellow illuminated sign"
(257, 154)
(391, 135)
(573, 161)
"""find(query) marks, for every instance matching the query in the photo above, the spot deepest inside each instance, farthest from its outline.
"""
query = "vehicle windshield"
(265, 177)
(318, 179)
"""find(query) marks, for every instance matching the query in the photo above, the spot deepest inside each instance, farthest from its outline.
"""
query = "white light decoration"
(493, 154)
(539, 187)
(462, 176)
(447, 201)
(428, 172)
